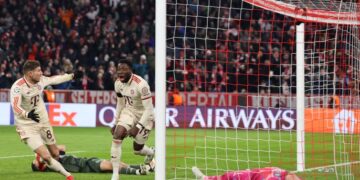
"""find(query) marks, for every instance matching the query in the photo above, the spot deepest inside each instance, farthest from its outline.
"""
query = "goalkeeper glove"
(77, 75)
(34, 116)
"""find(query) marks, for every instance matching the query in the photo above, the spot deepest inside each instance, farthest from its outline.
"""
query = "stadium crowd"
(239, 48)
(82, 35)
(251, 52)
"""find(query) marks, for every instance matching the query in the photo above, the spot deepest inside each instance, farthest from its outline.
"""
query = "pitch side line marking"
(9, 157)
(329, 166)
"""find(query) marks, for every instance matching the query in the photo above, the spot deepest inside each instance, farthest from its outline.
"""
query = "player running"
(134, 115)
(31, 118)
(268, 173)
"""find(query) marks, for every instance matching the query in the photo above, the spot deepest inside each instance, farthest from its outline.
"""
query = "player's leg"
(47, 134)
(144, 150)
(32, 137)
(139, 144)
(35, 143)
(54, 151)
(337, 125)
(352, 124)
(118, 136)
(48, 137)
(125, 122)
(343, 125)
(106, 166)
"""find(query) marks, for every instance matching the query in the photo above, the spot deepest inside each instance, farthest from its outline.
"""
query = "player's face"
(37, 165)
(35, 74)
(124, 72)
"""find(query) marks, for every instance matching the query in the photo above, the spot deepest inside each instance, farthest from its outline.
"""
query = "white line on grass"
(329, 166)
(9, 157)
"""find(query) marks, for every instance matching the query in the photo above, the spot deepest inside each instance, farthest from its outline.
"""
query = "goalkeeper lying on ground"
(90, 165)
(268, 173)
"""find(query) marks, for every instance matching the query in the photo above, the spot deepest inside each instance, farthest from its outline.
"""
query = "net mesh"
(231, 86)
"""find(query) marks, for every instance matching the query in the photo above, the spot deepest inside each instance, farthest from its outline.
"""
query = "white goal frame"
(272, 5)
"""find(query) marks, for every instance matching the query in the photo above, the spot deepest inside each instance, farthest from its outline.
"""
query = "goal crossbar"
(307, 13)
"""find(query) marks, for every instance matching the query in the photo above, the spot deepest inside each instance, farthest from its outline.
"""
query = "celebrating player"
(90, 165)
(134, 115)
(31, 118)
(268, 173)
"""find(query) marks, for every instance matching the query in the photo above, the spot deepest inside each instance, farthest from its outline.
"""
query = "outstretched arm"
(58, 79)
(198, 174)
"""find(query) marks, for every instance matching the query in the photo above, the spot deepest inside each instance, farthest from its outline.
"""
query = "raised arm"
(58, 79)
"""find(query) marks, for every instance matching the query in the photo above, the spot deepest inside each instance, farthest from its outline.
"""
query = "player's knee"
(137, 148)
(46, 158)
(119, 136)
(55, 154)
(119, 133)
(117, 141)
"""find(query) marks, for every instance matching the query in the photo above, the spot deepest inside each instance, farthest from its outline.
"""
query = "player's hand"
(34, 116)
(77, 75)
(135, 130)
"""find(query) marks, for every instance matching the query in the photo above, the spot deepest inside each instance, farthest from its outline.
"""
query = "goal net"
(263, 83)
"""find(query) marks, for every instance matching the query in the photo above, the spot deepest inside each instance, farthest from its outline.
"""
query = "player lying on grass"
(90, 165)
(268, 173)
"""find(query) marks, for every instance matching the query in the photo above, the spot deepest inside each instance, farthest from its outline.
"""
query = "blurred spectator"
(175, 99)
(6, 79)
(142, 68)
(250, 50)
(246, 52)
(93, 12)
(71, 36)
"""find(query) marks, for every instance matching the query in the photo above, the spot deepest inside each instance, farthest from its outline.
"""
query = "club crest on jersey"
(16, 90)
(132, 91)
(144, 90)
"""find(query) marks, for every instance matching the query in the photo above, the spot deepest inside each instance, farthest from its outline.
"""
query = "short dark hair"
(33, 167)
(127, 62)
(30, 65)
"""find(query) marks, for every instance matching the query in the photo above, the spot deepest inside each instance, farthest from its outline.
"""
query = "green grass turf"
(215, 152)
(94, 142)
(212, 151)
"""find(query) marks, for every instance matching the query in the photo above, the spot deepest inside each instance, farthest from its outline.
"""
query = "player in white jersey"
(134, 115)
(31, 118)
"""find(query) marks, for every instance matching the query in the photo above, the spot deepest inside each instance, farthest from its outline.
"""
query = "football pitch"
(212, 151)
(215, 152)
(16, 158)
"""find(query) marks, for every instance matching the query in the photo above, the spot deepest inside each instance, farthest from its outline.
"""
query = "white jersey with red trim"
(26, 97)
(134, 92)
